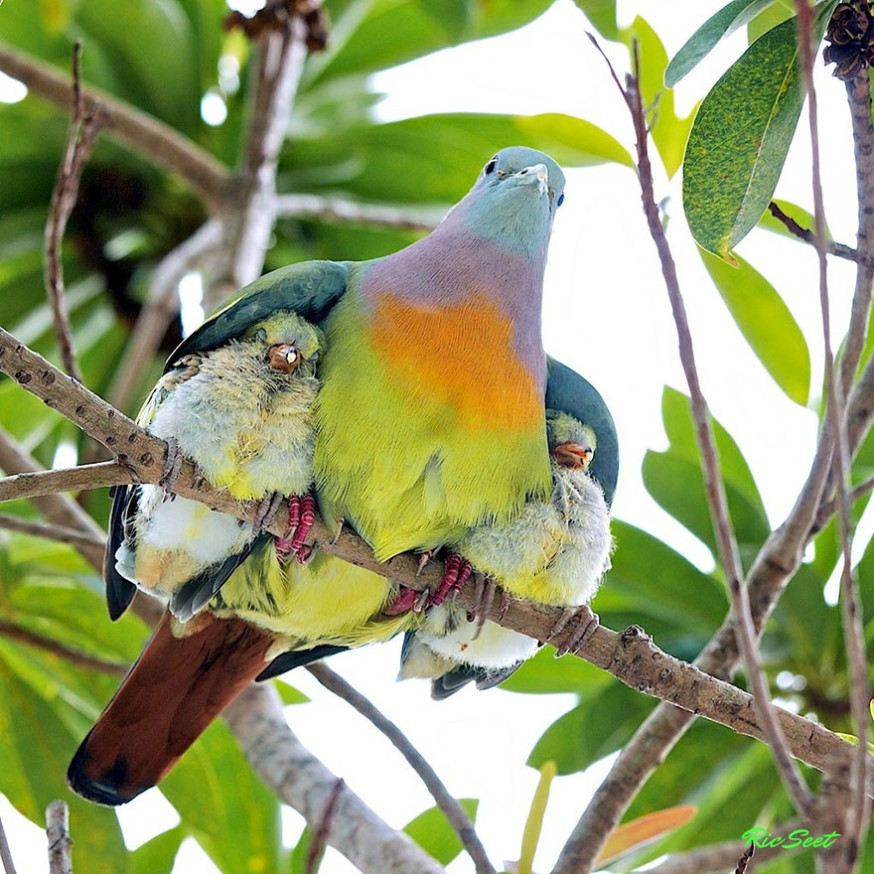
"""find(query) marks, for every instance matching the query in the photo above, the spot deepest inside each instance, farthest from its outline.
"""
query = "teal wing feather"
(310, 289)
(569, 392)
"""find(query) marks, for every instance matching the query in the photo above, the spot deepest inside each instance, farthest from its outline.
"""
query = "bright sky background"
(606, 314)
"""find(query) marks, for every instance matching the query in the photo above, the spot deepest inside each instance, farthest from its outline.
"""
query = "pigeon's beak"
(537, 174)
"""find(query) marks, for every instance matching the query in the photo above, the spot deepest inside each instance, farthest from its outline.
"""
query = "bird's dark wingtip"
(104, 789)
(119, 594)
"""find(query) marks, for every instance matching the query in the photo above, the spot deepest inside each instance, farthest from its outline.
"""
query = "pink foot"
(301, 515)
(587, 623)
(455, 574)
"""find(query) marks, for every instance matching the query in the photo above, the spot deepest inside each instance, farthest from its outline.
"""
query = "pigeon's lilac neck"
(453, 268)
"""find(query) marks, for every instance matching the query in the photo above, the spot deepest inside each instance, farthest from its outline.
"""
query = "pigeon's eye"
(261, 335)
(490, 167)
(560, 200)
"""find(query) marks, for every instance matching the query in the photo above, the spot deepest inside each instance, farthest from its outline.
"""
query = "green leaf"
(228, 809)
(675, 481)
(442, 154)
(766, 323)
(592, 730)
(721, 24)
(35, 748)
(157, 855)
(769, 18)
(602, 16)
(669, 131)
(740, 138)
(545, 674)
(289, 695)
(433, 833)
(652, 585)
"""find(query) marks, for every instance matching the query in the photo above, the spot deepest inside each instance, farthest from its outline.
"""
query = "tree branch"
(719, 858)
(453, 811)
(73, 479)
(5, 852)
(57, 508)
(49, 532)
(60, 842)
(857, 812)
(334, 209)
(80, 141)
(139, 131)
(303, 782)
(839, 250)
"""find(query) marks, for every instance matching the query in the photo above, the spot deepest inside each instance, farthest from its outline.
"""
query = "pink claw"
(455, 574)
(301, 515)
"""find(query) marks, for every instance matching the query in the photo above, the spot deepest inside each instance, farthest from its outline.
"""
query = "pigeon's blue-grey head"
(514, 199)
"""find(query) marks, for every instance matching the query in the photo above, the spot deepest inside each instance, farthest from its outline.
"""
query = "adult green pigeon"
(430, 420)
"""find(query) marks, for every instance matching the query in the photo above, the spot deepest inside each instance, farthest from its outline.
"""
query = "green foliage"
(766, 323)
(740, 138)
(433, 833)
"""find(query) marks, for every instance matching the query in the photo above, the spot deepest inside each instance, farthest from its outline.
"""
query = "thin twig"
(58, 508)
(72, 479)
(839, 250)
(320, 835)
(453, 811)
(829, 508)
(744, 860)
(5, 852)
(140, 132)
(60, 842)
(74, 656)
(334, 209)
(80, 141)
(303, 782)
(49, 532)
(858, 810)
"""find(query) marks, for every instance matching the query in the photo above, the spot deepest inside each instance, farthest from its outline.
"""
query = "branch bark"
(303, 782)
(60, 842)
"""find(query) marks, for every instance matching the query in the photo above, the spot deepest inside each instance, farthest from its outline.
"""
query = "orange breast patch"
(461, 357)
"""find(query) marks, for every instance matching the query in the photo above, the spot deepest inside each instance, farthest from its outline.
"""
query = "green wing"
(310, 289)
(569, 392)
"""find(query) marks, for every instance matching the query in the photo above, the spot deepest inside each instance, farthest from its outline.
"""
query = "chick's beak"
(573, 456)
(283, 357)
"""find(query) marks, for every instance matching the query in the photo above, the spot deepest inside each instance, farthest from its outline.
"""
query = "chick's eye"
(490, 167)
(560, 200)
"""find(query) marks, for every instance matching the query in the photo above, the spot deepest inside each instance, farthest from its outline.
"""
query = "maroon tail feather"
(171, 694)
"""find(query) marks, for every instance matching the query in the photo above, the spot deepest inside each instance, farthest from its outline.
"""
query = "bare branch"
(80, 141)
(73, 479)
(839, 250)
(57, 508)
(49, 532)
(302, 781)
(60, 842)
(139, 131)
(334, 209)
(249, 220)
(454, 812)
(74, 656)
(5, 852)
(858, 810)
(320, 835)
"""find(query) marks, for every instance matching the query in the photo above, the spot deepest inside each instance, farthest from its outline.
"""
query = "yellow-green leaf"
(766, 323)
